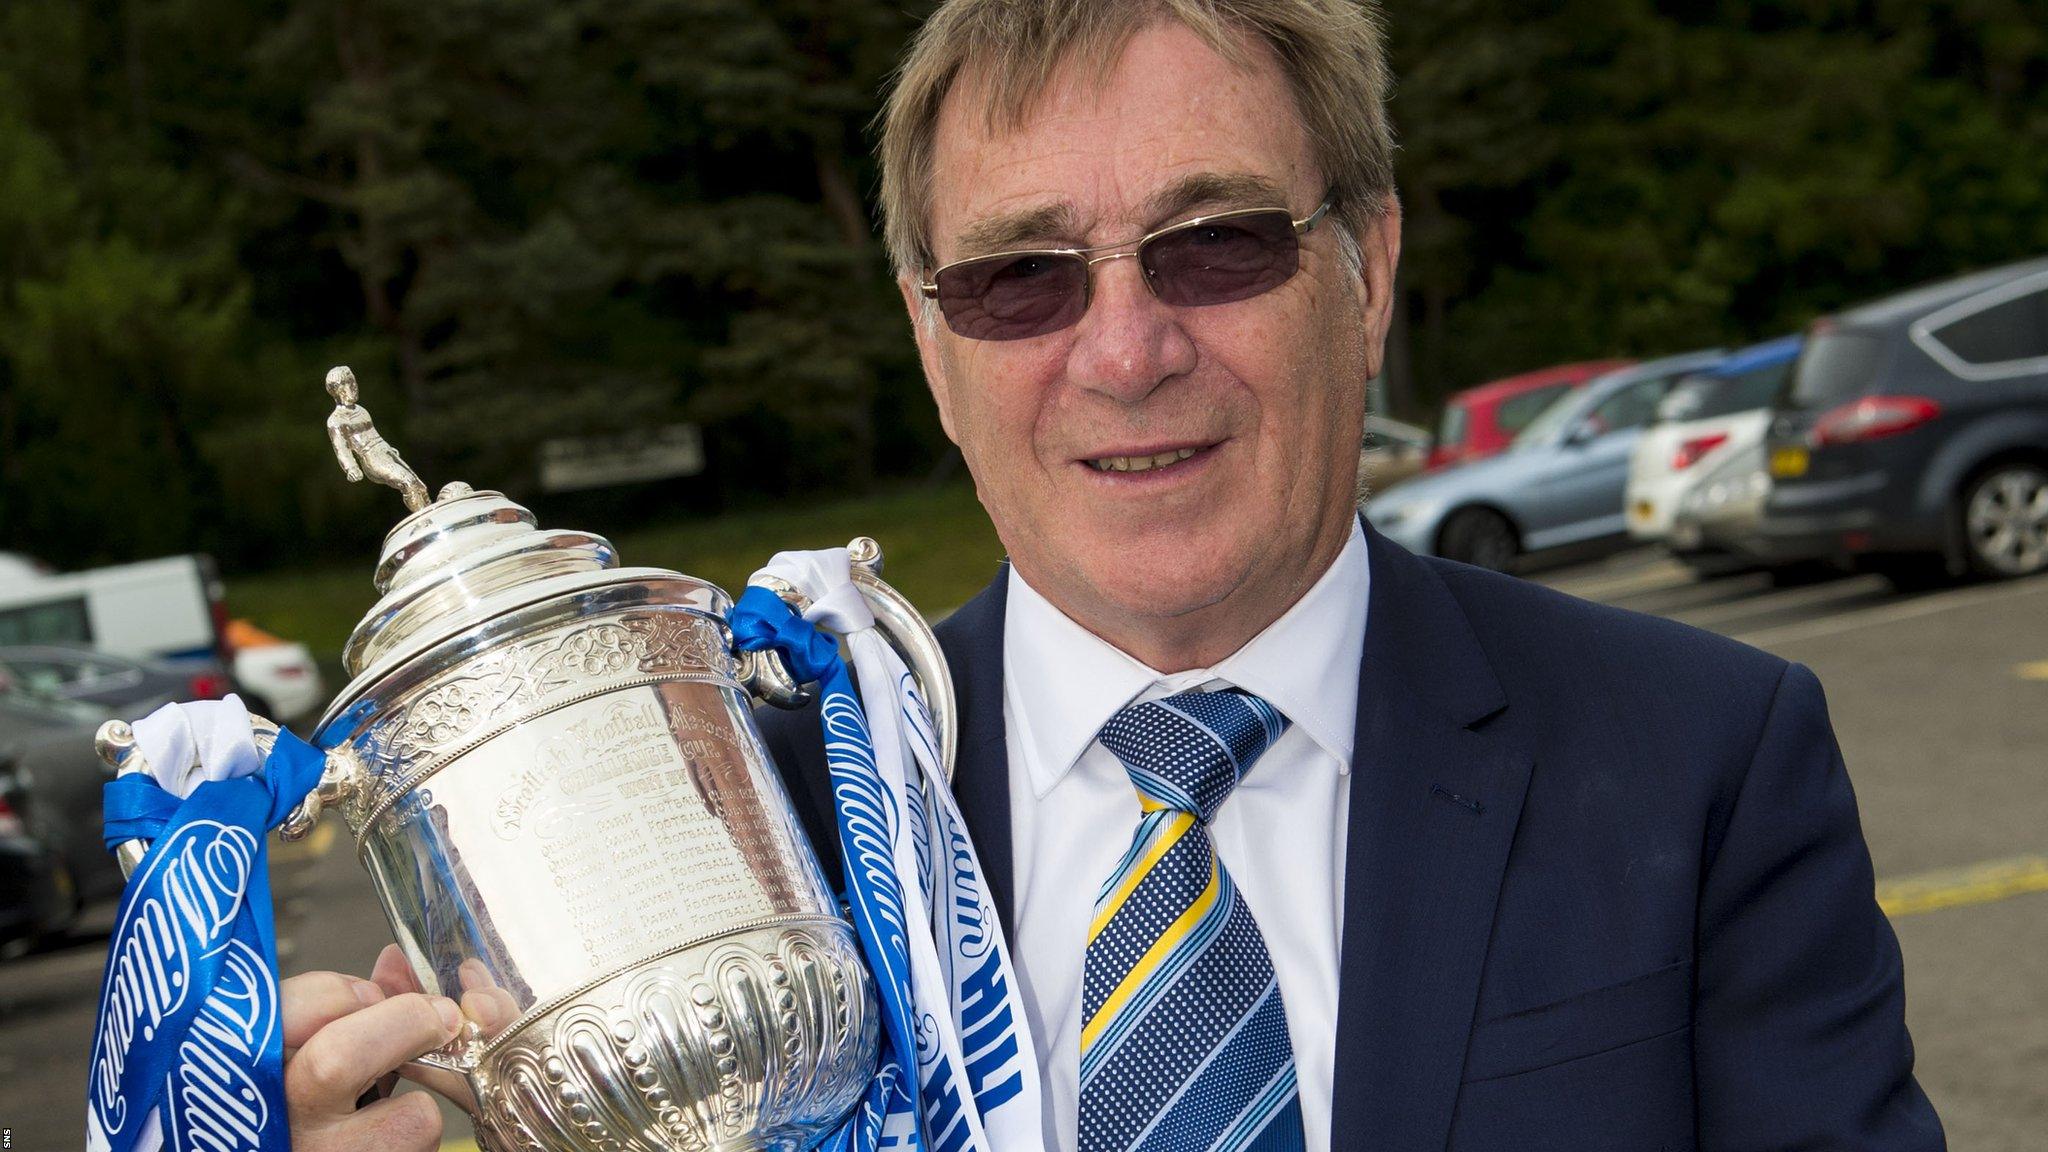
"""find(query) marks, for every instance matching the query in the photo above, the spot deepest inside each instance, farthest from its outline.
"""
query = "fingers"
(337, 1063)
(483, 1001)
(314, 1000)
(393, 974)
(407, 1123)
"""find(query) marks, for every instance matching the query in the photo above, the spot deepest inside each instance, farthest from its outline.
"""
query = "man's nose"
(1128, 342)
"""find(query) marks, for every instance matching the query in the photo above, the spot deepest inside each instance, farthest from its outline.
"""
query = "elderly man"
(1300, 841)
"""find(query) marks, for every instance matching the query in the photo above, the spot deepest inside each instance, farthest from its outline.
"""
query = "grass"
(937, 547)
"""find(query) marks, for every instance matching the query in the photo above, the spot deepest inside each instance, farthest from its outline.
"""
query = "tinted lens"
(1217, 261)
(1013, 297)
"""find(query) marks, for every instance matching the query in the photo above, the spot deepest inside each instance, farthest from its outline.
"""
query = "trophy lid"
(443, 562)
(459, 559)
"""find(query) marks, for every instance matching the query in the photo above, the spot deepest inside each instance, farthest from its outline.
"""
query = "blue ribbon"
(188, 1015)
(866, 812)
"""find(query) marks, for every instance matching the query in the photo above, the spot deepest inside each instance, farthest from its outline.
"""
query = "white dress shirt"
(1281, 832)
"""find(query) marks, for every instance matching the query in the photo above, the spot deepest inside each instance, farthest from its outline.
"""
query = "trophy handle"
(340, 780)
(766, 676)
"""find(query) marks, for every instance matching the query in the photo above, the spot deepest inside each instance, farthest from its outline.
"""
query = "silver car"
(1559, 484)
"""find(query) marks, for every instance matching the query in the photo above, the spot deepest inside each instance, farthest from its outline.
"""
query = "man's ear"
(1380, 252)
(927, 336)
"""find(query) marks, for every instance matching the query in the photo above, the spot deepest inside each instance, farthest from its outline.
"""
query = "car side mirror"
(1582, 434)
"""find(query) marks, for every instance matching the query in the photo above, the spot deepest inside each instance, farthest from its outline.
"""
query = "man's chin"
(1160, 587)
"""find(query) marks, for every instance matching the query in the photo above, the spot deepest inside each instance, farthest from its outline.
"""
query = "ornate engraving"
(504, 681)
(758, 1040)
(496, 687)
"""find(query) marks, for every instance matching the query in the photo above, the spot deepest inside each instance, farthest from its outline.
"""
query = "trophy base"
(760, 1039)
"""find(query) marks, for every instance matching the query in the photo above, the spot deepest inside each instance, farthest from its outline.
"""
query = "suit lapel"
(973, 642)
(1434, 806)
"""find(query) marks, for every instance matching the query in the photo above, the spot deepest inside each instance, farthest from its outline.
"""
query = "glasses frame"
(1302, 226)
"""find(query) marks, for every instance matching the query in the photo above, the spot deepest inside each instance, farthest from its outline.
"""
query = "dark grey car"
(36, 896)
(47, 744)
(127, 687)
(1912, 438)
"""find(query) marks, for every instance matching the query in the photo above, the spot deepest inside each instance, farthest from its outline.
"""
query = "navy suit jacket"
(1605, 885)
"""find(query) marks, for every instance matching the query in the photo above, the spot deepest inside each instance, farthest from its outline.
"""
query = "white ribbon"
(977, 1068)
(185, 745)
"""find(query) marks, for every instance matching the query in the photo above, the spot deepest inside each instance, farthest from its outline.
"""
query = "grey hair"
(1331, 52)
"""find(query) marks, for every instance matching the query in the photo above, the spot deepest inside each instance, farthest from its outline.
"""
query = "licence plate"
(1643, 511)
(1789, 463)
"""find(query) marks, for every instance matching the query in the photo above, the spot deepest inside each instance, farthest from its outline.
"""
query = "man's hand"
(342, 1036)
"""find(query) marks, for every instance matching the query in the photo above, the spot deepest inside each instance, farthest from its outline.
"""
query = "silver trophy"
(551, 770)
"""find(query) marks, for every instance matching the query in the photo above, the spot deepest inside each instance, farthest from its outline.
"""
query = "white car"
(281, 674)
(1709, 417)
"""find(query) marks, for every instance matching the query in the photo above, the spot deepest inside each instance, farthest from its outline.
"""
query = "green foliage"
(1586, 178)
(937, 543)
(521, 219)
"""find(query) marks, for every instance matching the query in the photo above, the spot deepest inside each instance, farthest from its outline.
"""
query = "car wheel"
(1479, 537)
(2005, 521)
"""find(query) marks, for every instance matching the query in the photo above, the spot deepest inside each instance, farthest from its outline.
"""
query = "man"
(1300, 841)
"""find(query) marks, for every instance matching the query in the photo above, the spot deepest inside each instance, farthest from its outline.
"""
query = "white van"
(168, 609)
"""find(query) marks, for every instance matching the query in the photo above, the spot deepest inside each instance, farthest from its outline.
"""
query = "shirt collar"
(1062, 682)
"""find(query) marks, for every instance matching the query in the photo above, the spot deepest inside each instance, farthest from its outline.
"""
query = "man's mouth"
(1144, 463)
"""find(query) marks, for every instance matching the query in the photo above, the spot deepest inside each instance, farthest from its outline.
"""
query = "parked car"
(1482, 421)
(1561, 484)
(1912, 438)
(36, 895)
(1709, 416)
(1392, 452)
(278, 678)
(125, 686)
(47, 743)
(1715, 525)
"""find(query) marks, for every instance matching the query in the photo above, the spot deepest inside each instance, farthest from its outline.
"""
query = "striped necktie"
(1184, 1042)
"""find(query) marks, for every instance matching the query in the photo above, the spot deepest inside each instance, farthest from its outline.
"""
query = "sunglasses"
(1207, 260)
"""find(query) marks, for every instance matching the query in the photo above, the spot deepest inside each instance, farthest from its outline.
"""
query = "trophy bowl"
(552, 774)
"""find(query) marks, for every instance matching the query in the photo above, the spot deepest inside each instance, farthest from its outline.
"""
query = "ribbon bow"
(188, 1048)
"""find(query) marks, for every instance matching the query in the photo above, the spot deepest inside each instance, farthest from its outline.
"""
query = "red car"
(1482, 421)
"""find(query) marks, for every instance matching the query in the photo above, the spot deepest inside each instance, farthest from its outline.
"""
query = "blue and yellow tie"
(1184, 1041)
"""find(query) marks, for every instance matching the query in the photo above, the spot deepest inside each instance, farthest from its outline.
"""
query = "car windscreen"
(1517, 412)
(1705, 397)
(1686, 398)
(53, 622)
(1545, 427)
(1833, 367)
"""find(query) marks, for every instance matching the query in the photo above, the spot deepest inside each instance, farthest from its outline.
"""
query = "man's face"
(1267, 392)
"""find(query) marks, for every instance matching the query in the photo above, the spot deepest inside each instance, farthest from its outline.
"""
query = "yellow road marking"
(1956, 887)
(2036, 670)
